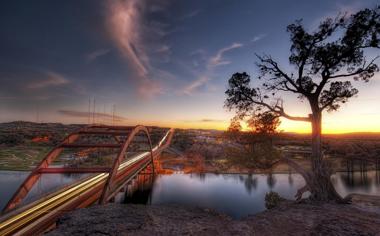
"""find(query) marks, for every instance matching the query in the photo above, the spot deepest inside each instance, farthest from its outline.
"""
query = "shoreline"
(362, 217)
(217, 172)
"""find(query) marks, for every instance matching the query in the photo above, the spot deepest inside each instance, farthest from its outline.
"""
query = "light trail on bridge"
(27, 218)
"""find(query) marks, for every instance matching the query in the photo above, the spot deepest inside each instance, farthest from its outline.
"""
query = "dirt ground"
(289, 218)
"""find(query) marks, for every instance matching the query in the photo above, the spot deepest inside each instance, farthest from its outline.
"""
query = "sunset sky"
(158, 62)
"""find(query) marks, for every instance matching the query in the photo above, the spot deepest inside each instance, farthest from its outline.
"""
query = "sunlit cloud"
(130, 30)
(150, 88)
(52, 79)
(125, 27)
(210, 120)
(218, 59)
(205, 120)
(190, 88)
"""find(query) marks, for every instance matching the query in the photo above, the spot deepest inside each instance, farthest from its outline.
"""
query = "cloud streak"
(258, 38)
(204, 120)
(189, 89)
(98, 53)
(52, 79)
(124, 25)
(219, 60)
(191, 14)
(129, 30)
(98, 115)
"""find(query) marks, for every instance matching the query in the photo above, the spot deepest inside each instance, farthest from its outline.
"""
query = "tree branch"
(358, 71)
(280, 111)
(276, 69)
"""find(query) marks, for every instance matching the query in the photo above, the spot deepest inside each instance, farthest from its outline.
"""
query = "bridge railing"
(123, 136)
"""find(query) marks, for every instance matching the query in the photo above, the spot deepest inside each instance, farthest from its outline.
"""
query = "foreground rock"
(287, 219)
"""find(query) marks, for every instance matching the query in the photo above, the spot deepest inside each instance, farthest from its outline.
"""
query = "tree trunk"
(320, 185)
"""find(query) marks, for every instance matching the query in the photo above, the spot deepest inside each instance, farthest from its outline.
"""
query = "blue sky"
(159, 62)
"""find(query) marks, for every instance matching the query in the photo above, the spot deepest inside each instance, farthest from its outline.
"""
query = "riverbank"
(289, 218)
(169, 163)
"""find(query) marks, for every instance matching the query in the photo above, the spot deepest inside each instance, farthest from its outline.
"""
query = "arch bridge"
(101, 185)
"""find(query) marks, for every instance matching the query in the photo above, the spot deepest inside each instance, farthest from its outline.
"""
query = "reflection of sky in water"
(235, 194)
(11, 180)
(241, 195)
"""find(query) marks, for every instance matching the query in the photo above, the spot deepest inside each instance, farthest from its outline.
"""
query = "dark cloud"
(98, 115)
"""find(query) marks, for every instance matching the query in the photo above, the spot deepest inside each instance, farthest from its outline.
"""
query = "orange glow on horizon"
(330, 126)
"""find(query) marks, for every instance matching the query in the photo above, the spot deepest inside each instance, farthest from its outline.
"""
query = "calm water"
(11, 180)
(237, 195)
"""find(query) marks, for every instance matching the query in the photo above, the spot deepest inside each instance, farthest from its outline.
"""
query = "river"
(237, 195)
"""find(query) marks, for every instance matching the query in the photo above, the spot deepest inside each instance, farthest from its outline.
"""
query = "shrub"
(272, 199)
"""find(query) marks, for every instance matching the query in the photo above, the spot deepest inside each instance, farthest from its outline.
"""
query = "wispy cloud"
(98, 115)
(191, 14)
(218, 59)
(258, 38)
(189, 89)
(52, 79)
(150, 88)
(200, 52)
(8, 97)
(97, 53)
(211, 120)
(125, 28)
(163, 49)
(130, 30)
(338, 9)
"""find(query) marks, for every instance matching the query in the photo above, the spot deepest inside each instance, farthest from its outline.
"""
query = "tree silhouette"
(324, 62)
(264, 123)
(235, 125)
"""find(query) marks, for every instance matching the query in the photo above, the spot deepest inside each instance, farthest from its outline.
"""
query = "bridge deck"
(36, 217)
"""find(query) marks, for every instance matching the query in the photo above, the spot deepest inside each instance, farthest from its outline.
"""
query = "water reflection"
(271, 180)
(237, 195)
(11, 180)
(139, 190)
(290, 179)
(357, 182)
(250, 183)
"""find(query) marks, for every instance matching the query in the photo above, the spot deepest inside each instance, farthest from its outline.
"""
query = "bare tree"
(323, 62)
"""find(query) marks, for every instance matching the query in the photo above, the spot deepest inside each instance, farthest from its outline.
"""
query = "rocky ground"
(289, 218)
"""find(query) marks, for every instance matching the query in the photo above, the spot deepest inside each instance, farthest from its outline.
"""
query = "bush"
(272, 199)
(11, 139)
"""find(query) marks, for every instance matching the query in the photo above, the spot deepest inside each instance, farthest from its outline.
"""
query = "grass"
(21, 157)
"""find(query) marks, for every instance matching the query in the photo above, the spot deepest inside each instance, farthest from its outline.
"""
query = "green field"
(21, 157)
